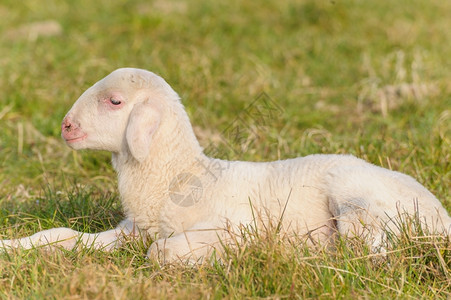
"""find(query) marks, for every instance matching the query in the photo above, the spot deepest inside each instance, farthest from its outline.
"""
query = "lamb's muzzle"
(71, 132)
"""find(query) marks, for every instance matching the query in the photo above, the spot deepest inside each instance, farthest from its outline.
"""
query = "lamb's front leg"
(191, 246)
(67, 238)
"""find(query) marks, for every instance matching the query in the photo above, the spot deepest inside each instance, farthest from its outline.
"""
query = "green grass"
(328, 64)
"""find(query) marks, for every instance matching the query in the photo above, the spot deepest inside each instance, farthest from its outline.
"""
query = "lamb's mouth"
(76, 139)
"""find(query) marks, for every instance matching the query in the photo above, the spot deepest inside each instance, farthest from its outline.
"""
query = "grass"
(370, 78)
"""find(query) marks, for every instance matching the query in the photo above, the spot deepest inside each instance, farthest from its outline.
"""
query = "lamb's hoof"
(159, 252)
(163, 253)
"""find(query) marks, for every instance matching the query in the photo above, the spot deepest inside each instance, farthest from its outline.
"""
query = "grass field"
(369, 78)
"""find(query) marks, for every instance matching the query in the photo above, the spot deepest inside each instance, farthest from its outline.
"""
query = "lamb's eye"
(114, 101)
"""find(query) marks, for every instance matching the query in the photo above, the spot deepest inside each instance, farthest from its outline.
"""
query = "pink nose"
(66, 125)
(69, 130)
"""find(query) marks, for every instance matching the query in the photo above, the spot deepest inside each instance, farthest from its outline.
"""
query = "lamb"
(166, 192)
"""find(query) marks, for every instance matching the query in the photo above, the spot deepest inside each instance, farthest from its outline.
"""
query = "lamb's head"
(121, 111)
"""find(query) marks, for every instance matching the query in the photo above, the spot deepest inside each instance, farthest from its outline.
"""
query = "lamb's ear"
(143, 122)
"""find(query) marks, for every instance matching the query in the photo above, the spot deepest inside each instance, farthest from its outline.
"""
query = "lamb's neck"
(144, 187)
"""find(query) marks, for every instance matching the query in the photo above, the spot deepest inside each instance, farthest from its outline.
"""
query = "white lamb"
(167, 193)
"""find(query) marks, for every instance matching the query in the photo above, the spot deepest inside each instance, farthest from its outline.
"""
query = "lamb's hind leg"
(355, 218)
(67, 238)
(366, 200)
